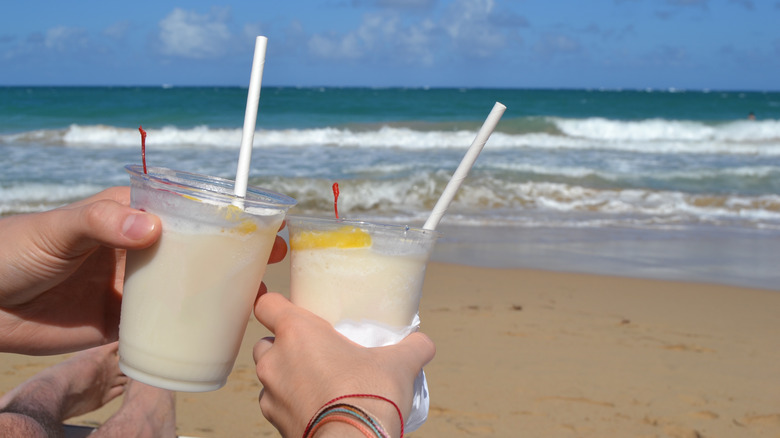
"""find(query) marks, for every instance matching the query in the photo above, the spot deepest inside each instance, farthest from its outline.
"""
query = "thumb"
(102, 222)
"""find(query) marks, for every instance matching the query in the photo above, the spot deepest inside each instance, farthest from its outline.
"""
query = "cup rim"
(256, 196)
(363, 224)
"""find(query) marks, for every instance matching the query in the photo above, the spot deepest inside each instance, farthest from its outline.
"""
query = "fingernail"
(137, 226)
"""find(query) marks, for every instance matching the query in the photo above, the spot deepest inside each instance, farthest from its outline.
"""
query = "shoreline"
(702, 254)
(549, 354)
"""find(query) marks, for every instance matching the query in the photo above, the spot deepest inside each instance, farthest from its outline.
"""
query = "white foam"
(166, 137)
(32, 197)
(637, 170)
(501, 200)
(409, 200)
(648, 136)
(662, 129)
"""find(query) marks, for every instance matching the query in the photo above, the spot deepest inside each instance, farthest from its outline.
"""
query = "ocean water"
(638, 182)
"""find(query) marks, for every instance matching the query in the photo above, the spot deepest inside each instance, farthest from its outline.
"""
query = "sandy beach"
(550, 354)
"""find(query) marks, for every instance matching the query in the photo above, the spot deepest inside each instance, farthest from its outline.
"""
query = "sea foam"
(651, 136)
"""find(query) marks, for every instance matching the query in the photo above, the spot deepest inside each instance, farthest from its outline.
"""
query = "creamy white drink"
(345, 270)
(366, 280)
(188, 298)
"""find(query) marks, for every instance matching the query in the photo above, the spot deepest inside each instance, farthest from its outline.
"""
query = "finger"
(271, 308)
(279, 250)
(261, 347)
(102, 222)
(417, 348)
(118, 194)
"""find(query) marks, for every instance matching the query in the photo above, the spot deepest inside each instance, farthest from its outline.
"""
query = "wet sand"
(547, 354)
(702, 254)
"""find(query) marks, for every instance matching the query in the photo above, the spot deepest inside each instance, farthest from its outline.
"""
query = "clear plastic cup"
(188, 298)
(352, 271)
(366, 280)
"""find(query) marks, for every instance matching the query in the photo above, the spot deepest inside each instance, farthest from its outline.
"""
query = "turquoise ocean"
(672, 184)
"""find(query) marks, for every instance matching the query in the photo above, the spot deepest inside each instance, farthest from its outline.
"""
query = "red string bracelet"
(379, 397)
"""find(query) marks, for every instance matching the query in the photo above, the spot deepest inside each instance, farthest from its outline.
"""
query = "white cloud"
(380, 35)
(250, 31)
(469, 26)
(410, 43)
(59, 45)
(191, 35)
(419, 42)
(63, 39)
(335, 46)
(465, 28)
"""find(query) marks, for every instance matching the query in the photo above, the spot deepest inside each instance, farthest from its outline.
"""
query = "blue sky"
(683, 44)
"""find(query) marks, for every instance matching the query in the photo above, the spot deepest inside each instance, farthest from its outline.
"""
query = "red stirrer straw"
(336, 199)
(143, 146)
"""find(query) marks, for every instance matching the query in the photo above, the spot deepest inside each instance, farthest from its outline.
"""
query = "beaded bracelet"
(353, 415)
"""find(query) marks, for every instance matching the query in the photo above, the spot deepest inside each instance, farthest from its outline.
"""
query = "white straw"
(465, 165)
(250, 117)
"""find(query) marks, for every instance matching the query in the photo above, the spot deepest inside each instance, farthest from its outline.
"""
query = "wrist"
(365, 415)
(383, 412)
(337, 429)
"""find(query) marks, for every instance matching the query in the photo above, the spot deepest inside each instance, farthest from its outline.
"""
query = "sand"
(549, 354)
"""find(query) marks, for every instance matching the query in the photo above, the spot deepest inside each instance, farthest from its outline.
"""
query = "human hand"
(309, 363)
(61, 272)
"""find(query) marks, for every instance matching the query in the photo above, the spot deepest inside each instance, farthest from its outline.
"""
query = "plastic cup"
(366, 280)
(187, 299)
(352, 272)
